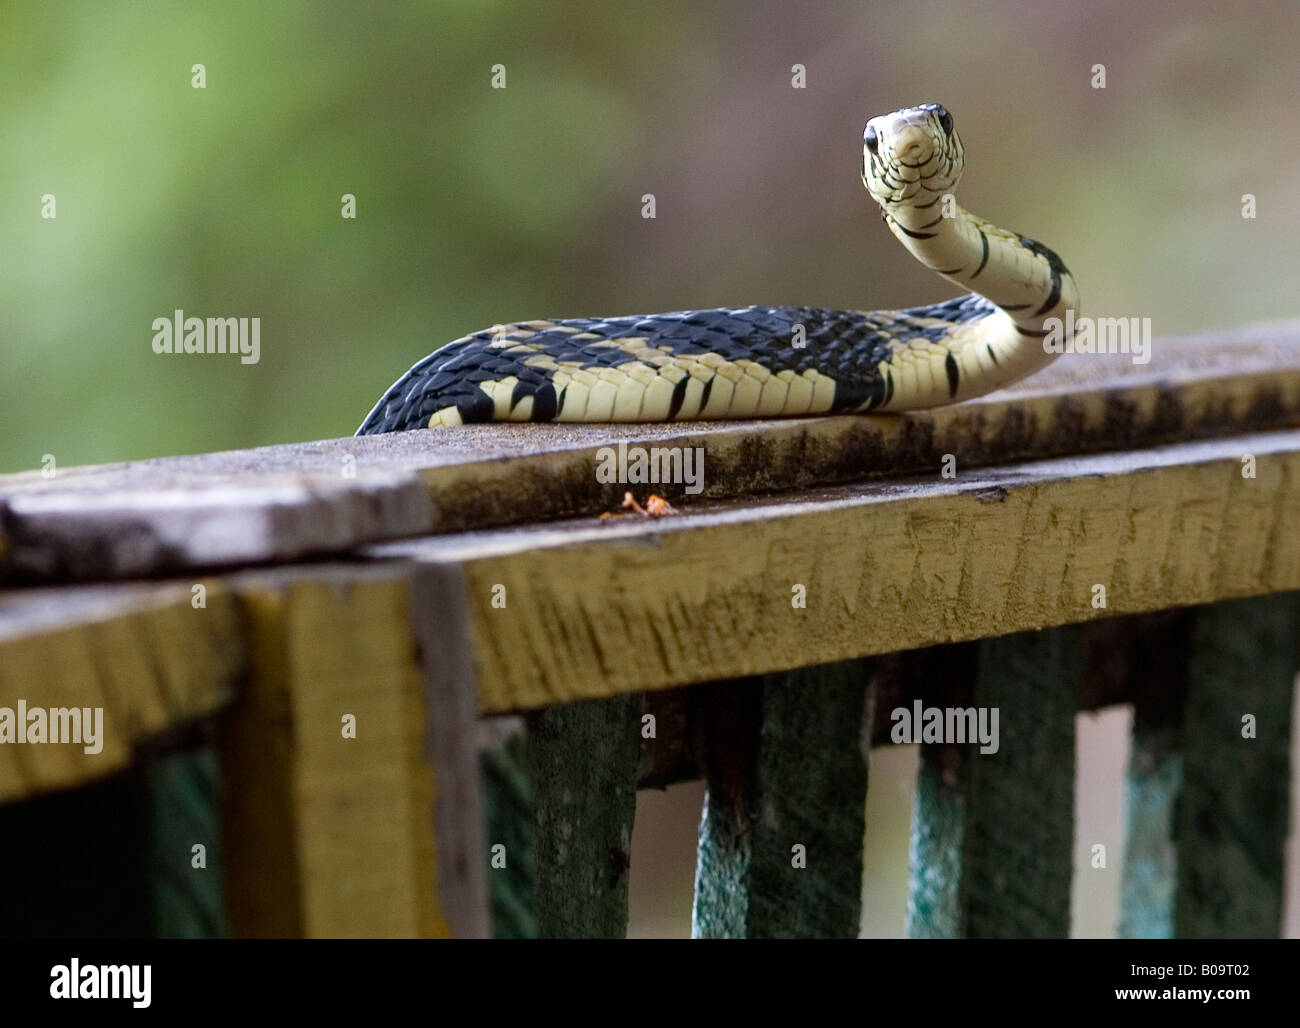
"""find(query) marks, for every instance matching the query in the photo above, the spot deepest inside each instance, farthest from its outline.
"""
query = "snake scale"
(753, 362)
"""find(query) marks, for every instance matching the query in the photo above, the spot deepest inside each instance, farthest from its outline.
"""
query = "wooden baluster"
(582, 764)
(1207, 801)
(780, 851)
(508, 823)
(992, 833)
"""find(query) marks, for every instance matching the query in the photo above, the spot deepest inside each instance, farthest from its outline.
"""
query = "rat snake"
(771, 361)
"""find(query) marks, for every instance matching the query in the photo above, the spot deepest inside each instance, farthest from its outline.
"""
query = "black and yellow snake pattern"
(750, 362)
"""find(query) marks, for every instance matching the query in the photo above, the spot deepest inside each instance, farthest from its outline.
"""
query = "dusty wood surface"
(281, 503)
(599, 609)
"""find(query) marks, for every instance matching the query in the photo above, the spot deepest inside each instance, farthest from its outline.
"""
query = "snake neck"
(1025, 279)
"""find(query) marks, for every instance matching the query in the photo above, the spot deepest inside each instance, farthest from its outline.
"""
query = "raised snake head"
(912, 156)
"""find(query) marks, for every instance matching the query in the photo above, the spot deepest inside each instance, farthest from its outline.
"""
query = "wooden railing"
(409, 685)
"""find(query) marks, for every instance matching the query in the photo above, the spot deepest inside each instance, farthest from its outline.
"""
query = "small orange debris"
(655, 507)
(658, 507)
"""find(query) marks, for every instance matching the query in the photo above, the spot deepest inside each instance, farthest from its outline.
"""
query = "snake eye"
(945, 120)
(870, 138)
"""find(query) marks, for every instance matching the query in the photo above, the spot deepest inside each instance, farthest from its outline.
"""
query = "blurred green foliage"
(478, 205)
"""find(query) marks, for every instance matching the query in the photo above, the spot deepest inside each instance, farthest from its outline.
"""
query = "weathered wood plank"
(1208, 793)
(708, 596)
(780, 852)
(582, 764)
(145, 657)
(276, 504)
(992, 833)
(335, 835)
(164, 526)
(993, 552)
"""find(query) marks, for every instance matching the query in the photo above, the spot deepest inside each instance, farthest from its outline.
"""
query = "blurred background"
(478, 205)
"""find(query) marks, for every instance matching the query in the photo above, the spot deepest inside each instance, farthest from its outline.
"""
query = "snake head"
(911, 156)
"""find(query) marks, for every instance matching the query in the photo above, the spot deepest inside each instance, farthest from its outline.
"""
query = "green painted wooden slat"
(992, 833)
(186, 901)
(1155, 779)
(582, 763)
(780, 851)
(1152, 669)
(508, 813)
(1232, 812)
(1208, 806)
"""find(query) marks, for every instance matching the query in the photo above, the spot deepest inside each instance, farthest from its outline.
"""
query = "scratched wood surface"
(598, 609)
(282, 503)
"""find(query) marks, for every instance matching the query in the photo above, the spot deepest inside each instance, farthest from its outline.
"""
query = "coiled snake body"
(773, 361)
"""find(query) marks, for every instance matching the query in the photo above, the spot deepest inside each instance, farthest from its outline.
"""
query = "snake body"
(751, 362)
